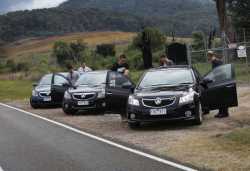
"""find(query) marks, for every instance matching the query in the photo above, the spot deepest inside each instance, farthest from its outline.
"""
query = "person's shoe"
(218, 115)
(221, 115)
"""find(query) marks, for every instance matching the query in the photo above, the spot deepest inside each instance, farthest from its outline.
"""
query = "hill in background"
(180, 16)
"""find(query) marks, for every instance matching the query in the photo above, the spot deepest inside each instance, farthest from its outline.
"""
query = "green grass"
(241, 136)
(15, 90)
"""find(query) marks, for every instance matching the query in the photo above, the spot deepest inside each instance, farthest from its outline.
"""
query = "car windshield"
(46, 80)
(169, 77)
(92, 79)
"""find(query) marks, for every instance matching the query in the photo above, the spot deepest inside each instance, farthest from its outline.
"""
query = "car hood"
(163, 91)
(41, 88)
(83, 89)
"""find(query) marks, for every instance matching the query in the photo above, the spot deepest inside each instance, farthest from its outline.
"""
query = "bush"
(10, 64)
(106, 50)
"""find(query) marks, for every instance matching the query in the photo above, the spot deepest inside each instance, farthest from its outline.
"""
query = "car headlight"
(34, 93)
(67, 95)
(187, 97)
(101, 94)
(133, 101)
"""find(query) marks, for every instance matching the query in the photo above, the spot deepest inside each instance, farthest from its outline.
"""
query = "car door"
(220, 88)
(117, 92)
(59, 85)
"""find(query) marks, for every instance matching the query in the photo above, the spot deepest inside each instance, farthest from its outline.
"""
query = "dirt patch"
(202, 146)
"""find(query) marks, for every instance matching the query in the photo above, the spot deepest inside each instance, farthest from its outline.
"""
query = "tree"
(63, 52)
(77, 49)
(239, 9)
(150, 39)
(198, 44)
(106, 50)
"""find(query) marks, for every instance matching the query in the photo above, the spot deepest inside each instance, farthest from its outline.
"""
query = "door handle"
(230, 86)
(109, 93)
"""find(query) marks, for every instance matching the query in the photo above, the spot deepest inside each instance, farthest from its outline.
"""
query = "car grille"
(158, 102)
(45, 94)
(84, 96)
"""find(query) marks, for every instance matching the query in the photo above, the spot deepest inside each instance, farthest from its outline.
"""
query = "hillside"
(57, 21)
(182, 16)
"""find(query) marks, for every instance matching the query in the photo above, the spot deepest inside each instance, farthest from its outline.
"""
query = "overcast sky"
(13, 5)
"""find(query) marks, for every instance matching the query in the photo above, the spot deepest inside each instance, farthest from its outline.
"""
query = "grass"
(15, 89)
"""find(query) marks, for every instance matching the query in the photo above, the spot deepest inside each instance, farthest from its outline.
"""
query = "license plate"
(47, 99)
(83, 103)
(154, 112)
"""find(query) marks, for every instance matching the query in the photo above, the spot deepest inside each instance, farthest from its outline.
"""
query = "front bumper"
(93, 104)
(41, 101)
(179, 112)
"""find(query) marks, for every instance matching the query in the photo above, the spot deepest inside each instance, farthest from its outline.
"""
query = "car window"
(92, 79)
(167, 77)
(60, 80)
(117, 80)
(221, 73)
(46, 80)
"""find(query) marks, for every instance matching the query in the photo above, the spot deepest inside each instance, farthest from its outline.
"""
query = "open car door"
(59, 85)
(220, 88)
(118, 90)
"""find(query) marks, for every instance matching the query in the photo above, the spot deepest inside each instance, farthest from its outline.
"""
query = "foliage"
(239, 9)
(106, 49)
(69, 53)
(157, 38)
(149, 40)
(198, 44)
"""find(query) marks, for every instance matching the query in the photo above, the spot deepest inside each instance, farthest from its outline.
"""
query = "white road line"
(161, 160)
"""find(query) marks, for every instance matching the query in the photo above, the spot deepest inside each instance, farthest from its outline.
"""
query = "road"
(28, 143)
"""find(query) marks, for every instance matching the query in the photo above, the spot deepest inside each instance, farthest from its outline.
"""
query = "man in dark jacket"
(216, 62)
(121, 65)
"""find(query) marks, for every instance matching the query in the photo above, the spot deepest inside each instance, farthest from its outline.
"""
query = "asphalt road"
(28, 143)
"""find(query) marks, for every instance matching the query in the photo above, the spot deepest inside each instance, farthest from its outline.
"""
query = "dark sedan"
(49, 91)
(180, 93)
(98, 91)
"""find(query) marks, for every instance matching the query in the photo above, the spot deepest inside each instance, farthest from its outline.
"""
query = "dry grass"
(43, 45)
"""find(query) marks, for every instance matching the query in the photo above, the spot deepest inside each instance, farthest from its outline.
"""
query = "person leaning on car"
(216, 62)
(164, 61)
(73, 75)
(121, 65)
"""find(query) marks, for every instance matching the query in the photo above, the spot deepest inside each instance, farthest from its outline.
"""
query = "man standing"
(216, 62)
(121, 65)
(84, 68)
(73, 75)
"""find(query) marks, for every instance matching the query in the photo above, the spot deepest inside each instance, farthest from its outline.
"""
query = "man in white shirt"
(84, 68)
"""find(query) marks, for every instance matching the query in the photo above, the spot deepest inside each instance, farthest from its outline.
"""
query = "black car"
(180, 93)
(98, 91)
(49, 91)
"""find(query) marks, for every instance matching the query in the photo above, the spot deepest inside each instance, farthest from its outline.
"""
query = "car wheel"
(134, 125)
(68, 110)
(198, 114)
(34, 105)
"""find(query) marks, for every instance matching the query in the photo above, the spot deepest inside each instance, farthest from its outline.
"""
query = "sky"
(13, 5)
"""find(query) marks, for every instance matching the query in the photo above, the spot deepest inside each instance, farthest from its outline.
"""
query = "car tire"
(134, 125)
(68, 110)
(198, 114)
(34, 105)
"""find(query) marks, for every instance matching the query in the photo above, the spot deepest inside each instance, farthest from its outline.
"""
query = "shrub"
(106, 50)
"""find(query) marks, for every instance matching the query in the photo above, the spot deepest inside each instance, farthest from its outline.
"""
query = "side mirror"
(35, 84)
